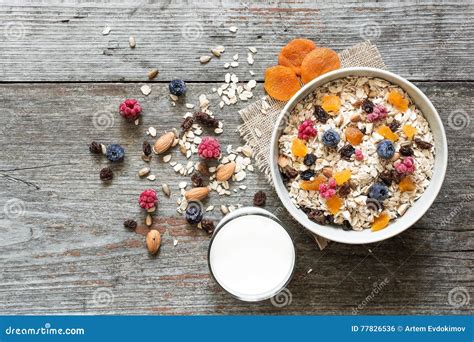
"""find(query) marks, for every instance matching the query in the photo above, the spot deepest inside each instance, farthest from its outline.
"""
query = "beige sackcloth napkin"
(260, 117)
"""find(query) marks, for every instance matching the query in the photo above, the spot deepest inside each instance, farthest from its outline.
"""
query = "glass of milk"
(251, 255)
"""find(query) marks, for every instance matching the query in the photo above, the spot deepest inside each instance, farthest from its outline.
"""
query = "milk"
(252, 257)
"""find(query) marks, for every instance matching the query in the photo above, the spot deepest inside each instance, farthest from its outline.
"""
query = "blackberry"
(307, 175)
(193, 213)
(320, 114)
(309, 159)
(368, 106)
(347, 151)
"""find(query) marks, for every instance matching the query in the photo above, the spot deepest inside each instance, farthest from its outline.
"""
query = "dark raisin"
(344, 190)
(290, 172)
(307, 175)
(406, 150)
(146, 147)
(206, 120)
(320, 114)
(368, 106)
(106, 174)
(346, 225)
(394, 125)
(347, 151)
(374, 204)
(315, 215)
(130, 224)
(187, 123)
(259, 199)
(197, 181)
(424, 145)
(309, 159)
(95, 148)
(387, 176)
(207, 225)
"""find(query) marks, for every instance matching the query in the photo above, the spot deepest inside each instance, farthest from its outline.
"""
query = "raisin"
(346, 225)
(315, 215)
(367, 106)
(290, 172)
(309, 159)
(424, 145)
(207, 225)
(146, 147)
(387, 177)
(206, 120)
(307, 175)
(394, 125)
(130, 224)
(187, 123)
(344, 190)
(95, 148)
(320, 114)
(406, 150)
(106, 174)
(197, 181)
(259, 199)
(347, 151)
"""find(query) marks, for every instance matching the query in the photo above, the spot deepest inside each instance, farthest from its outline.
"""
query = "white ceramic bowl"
(415, 212)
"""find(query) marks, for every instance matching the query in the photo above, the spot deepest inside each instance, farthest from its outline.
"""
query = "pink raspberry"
(148, 199)
(328, 190)
(379, 113)
(209, 148)
(358, 155)
(404, 166)
(130, 109)
(307, 130)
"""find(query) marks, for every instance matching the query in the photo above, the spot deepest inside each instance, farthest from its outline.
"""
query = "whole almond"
(153, 241)
(163, 143)
(196, 193)
(327, 171)
(224, 172)
(283, 161)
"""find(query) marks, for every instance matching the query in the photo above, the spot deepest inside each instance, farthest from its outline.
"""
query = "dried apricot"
(331, 104)
(409, 131)
(342, 176)
(334, 204)
(397, 100)
(318, 62)
(293, 53)
(407, 184)
(353, 135)
(281, 82)
(298, 148)
(380, 222)
(387, 133)
(313, 184)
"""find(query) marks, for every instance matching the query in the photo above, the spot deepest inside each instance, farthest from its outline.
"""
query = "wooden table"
(63, 248)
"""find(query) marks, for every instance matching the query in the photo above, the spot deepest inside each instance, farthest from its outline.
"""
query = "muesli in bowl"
(356, 152)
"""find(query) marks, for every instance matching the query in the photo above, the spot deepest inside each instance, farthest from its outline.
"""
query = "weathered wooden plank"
(69, 243)
(63, 41)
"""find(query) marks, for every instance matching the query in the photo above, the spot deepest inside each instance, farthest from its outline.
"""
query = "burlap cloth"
(260, 116)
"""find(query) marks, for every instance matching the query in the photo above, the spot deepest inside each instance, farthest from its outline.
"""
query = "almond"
(327, 171)
(196, 193)
(163, 143)
(153, 241)
(224, 172)
(283, 161)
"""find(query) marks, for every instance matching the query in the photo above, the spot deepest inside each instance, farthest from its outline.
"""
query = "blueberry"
(177, 87)
(378, 191)
(385, 149)
(331, 138)
(307, 175)
(194, 213)
(115, 152)
(309, 159)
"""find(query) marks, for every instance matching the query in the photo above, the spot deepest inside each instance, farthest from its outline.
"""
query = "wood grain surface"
(63, 248)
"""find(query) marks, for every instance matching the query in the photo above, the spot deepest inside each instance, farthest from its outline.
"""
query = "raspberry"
(148, 199)
(130, 109)
(379, 113)
(115, 152)
(405, 166)
(328, 190)
(209, 148)
(358, 155)
(307, 130)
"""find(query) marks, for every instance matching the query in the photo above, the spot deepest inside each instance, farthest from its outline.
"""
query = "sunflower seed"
(152, 73)
(204, 59)
(149, 220)
(166, 190)
(144, 171)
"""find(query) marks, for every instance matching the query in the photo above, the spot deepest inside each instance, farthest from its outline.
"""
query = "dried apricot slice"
(281, 82)
(334, 204)
(318, 62)
(342, 176)
(313, 184)
(353, 135)
(331, 104)
(380, 222)
(298, 148)
(409, 131)
(387, 133)
(397, 100)
(293, 53)
(407, 184)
